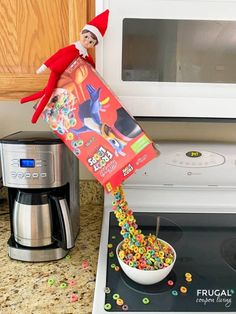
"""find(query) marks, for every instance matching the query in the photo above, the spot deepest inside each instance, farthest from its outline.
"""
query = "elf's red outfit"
(62, 58)
(58, 62)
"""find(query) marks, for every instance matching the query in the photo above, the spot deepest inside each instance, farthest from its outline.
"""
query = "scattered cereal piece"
(188, 275)
(113, 265)
(110, 245)
(107, 306)
(115, 296)
(51, 281)
(107, 290)
(117, 268)
(183, 289)
(85, 264)
(119, 302)
(125, 307)
(111, 254)
(170, 282)
(174, 293)
(71, 282)
(63, 285)
(145, 301)
(68, 257)
(73, 298)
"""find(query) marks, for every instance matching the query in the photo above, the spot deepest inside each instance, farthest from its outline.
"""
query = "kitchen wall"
(15, 116)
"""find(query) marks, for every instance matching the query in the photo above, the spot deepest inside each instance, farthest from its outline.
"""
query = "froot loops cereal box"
(94, 125)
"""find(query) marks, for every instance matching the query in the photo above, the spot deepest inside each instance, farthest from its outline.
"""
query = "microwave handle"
(65, 222)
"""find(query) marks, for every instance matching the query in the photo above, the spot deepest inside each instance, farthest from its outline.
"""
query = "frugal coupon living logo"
(210, 296)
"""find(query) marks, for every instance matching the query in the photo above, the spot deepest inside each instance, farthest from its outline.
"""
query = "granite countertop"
(24, 286)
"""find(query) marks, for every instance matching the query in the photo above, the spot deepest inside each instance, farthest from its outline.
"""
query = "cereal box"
(94, 125)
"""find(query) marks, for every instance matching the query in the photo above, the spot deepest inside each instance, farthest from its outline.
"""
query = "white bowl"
(146, 277)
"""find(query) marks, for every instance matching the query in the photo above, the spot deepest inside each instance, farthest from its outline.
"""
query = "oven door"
(171, 58)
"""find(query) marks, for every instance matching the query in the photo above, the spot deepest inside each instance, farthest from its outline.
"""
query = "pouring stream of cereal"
(145, 252)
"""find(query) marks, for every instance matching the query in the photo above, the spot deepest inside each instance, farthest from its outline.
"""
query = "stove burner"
(150, 289)
(228, 251)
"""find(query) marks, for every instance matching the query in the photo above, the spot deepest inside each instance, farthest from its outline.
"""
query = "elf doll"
(90, 36)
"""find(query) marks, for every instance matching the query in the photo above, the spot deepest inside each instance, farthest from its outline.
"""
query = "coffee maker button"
(43, 175)
(13, 174)
(27, 175)
(38, 164)
(15, 164)
(35, 175)
(20, 175)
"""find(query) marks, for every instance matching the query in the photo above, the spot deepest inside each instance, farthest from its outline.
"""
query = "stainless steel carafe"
(33, 219)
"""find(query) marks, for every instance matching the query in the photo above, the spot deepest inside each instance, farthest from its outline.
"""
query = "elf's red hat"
(98, 25)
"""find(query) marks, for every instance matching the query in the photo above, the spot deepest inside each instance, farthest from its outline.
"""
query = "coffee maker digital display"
(42, 179)
(27, 163)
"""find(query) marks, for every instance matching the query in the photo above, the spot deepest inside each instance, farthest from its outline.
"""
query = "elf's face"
(87, 41)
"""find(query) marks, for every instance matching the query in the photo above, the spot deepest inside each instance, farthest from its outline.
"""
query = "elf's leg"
(33, 96)
(52, 83)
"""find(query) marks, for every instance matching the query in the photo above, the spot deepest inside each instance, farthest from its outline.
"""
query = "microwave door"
(170, 58)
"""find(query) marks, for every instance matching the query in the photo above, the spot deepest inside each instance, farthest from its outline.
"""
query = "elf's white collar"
(81, 49)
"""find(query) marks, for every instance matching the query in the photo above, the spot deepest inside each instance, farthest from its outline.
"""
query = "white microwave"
(171, 58)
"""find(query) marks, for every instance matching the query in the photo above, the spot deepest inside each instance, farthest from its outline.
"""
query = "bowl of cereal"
(146, 265)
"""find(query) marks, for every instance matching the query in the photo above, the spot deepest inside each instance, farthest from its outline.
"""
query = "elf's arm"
(60, 53)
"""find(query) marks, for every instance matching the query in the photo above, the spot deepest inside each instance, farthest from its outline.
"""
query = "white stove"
(192, 188)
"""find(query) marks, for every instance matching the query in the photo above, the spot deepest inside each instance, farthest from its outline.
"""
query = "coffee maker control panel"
(29, 168)
(33, 166)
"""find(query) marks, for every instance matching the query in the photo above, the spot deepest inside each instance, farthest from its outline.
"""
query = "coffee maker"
(41, 175)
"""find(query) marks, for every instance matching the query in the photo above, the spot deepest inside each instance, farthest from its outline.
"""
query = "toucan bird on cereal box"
(89, 115)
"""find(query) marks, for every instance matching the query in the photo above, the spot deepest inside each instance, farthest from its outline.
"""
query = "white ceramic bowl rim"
(151, 270)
